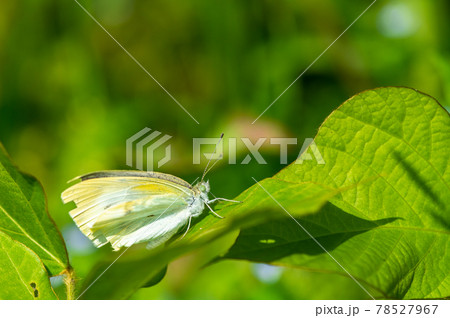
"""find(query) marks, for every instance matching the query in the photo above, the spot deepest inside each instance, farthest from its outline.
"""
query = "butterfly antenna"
(207, 165)
(212, 166)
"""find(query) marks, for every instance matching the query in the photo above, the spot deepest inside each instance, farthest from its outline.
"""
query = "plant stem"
(69, 281)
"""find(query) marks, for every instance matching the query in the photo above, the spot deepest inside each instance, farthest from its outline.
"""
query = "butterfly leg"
(189, 225)
(223, 199)
(219, 216)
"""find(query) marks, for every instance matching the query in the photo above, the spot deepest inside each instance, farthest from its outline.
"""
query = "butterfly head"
(203, 188)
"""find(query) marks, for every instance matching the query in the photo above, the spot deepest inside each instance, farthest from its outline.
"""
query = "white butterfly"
(127, 207)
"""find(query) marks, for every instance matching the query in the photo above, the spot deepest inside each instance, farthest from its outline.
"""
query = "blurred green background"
(70, 97)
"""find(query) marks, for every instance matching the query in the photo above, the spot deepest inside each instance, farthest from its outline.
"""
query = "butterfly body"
(130, 207)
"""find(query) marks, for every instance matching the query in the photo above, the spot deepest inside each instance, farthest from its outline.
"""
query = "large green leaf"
(22, 274)
(212, 235)
(24, 217)
(392, 233)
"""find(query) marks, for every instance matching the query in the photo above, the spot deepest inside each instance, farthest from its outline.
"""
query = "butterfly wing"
(128, 207)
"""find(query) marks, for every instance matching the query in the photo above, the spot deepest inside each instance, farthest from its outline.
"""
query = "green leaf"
(22, 274)
(391, 233)
(212, 235)
(24, 217)
(269, 242)
(156, 279)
